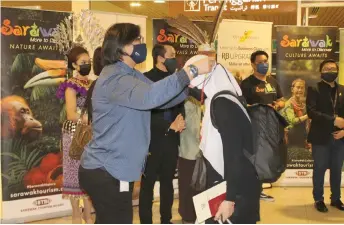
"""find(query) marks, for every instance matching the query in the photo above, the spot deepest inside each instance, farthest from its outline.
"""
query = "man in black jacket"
(325, 107)
(163, 152)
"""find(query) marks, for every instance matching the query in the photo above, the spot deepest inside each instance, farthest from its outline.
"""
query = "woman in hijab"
(223, 148)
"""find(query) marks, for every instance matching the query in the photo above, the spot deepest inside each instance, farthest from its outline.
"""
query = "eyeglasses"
(333, 69)
(140, 39)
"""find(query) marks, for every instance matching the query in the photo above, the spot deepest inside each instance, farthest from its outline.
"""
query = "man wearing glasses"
(325, 107)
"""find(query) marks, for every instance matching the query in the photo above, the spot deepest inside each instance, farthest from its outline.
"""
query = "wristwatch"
(193, 70)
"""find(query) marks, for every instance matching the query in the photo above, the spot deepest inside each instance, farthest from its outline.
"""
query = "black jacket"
(320, 111)
(270, 148)
(162, 119)
(88, 103)
(159, 123)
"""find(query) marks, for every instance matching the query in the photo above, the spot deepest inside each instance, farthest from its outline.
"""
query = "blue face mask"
(139, 53)
(263, 68)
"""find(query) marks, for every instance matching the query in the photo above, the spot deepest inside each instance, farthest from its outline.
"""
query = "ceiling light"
(135, 4)
(312, 16)
(159, 1)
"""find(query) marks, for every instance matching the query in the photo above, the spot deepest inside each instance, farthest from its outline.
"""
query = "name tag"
(123, 186)
(269, 88)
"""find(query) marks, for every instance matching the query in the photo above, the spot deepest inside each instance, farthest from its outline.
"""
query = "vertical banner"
(300, 50)
(237, 40)
(31, 70)
(341, 56)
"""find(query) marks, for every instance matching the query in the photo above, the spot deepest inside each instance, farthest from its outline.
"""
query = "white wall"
(109, 18)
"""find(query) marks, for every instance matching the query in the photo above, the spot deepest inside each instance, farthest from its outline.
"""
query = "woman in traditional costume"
(74, 92)
(295, 114)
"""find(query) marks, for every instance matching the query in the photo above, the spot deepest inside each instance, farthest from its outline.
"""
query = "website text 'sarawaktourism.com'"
(36, 192)
(300, 165)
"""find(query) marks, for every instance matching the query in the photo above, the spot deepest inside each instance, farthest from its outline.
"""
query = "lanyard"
(202, 103)
(334, 102)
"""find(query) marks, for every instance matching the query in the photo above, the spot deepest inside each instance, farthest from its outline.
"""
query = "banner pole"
(307, 16)
(341, 56)
(299, 12)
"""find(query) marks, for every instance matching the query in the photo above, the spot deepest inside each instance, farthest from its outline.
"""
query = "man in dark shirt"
(325, 108)
(163, 151)
(263, 89)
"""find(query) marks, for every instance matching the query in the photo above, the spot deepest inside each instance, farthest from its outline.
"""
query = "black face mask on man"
(85, 69)
(329, 76)
(171, 65)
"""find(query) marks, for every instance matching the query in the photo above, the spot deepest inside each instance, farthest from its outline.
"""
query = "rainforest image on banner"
(31, 70)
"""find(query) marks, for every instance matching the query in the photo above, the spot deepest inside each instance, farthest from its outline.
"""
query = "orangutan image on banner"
(31, 70)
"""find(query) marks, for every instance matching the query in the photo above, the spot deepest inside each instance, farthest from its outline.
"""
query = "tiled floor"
(292, 205)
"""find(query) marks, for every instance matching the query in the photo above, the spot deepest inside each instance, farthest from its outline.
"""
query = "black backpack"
(270, 150)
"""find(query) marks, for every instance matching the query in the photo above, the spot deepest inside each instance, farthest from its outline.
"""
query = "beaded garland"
(79, 86)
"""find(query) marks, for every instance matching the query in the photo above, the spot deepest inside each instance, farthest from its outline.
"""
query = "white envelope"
(201, 201)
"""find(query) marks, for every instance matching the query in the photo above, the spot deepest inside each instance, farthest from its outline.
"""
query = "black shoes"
(321, 207)
(338, 204)
(267, 198)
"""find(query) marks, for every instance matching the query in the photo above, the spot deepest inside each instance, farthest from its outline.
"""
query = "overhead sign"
(210, 7)
(231, 5)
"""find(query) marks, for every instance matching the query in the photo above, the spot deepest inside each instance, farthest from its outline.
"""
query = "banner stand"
(237, 40)
(37, 218)
(31, 162)
(341, 56)
(300, 50)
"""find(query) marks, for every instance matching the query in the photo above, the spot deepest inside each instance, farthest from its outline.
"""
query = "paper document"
(207, 203)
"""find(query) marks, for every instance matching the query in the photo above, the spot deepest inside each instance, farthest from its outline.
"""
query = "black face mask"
(329, 76)
(85, 69)
(171, 65)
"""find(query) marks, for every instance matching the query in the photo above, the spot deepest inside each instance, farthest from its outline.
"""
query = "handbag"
(82, 136)
(199, 176)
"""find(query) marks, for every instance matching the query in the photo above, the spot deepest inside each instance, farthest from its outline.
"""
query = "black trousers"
(247, 204)
(161, 164)
(186, 192)
(111, 205)
(325, 157)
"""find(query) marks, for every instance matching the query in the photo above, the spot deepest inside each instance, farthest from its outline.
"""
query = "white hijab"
(218, 80)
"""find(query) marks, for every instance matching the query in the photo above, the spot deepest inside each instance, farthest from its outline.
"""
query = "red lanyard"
(202, 104)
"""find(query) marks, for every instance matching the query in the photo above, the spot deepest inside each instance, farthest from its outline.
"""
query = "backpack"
(270, 150)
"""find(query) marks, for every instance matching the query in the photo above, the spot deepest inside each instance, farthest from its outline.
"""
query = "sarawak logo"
(192, 5)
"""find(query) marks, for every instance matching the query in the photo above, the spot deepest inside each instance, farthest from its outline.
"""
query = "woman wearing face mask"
(122, 102)
(74, 91)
